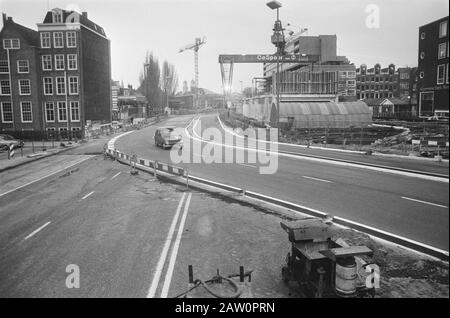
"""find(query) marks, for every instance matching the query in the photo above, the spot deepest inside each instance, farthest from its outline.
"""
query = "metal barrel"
(346, 276)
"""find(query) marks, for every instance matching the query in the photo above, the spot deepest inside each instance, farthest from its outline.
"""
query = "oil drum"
(346, 276)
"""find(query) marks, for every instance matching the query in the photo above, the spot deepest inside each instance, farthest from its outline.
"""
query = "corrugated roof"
(326, 109)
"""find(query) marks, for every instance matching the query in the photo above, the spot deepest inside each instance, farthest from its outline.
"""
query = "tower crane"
(195, 47)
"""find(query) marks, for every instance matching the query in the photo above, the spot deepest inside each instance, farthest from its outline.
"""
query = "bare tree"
(150, 82)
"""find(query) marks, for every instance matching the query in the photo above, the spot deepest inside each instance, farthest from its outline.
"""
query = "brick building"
(68, 81)
(433, 82)
(19, 78)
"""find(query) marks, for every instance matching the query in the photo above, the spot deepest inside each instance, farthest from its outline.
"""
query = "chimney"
(4, 18)
(84, 14)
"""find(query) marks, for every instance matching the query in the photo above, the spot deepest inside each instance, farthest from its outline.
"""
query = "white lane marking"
(46, 176)
(162, 258)
(327, 161)
(425, 202)
(87, 195)
(324, 214)
(246, 165)
(34, 232)
(116, 175)
(317, 179)
(173, 257)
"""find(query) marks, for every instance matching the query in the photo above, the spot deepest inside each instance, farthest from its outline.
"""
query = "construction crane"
(195, 47)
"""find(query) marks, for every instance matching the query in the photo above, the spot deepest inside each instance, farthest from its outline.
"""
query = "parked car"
(166, 137)
(7, 140)
(116, 125)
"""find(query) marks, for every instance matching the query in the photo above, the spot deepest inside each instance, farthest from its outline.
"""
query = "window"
(74, 111)
(23, 66)
(46, 62)
(4, 67)
(49, 112)
(48, 86)
(422, 55)
(440, 74)
(73, 85)
(443, 29)
(72, 61)
(45, 40)
(422, 36)
(62, 111)
(27, 113)
(24, 87)
(71, 39)
(59, 62)
(442, 50)
(422, 75)
(404, 76)
(5, 87)
(57, 16)
(60, 85)
(7, 112)
(351, 83)
(11, 44)
(58, 39)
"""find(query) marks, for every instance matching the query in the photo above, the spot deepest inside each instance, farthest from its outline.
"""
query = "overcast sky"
(239, 27)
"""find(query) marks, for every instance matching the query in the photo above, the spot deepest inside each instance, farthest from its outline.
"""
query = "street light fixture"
(279, 41)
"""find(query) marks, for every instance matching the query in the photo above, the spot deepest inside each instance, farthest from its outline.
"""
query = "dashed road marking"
(425, 202)
(36, 231)
(116, 175)
(317, 179)
(87, 195)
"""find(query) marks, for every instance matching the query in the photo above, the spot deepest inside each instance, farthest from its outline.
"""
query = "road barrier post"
(155, 169)
(187, 179)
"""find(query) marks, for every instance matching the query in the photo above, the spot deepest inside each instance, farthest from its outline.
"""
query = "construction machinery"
(324, 267)
(195, 47)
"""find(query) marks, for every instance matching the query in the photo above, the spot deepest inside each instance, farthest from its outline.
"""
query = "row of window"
(375, 95)
(443, 31)
(377, 87)
(49, 87)
(58, 39)
(50, 112)
(24, 87)
(375, 79)
(60, 83)
(11, 44)
(443, 51)
(60, 65)
(23, 66)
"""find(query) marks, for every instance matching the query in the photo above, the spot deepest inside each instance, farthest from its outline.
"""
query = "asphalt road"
(78, 209)
(411, 207)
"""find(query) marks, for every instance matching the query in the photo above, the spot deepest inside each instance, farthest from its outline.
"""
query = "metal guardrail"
(155, 167)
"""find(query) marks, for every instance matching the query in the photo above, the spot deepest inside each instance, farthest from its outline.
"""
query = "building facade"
(332, 74)
(68, 78)
(376, 82)
(433, 56)
(20, 109)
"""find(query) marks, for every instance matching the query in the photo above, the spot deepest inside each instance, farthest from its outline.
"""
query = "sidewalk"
(6, 164)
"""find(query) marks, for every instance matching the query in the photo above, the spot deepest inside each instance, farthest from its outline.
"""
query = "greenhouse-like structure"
(309, 114)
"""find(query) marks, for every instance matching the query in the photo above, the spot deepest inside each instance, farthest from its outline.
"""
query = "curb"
(37, 158)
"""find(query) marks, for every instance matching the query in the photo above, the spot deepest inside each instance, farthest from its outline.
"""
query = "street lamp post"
(279, 41)
(146, 65)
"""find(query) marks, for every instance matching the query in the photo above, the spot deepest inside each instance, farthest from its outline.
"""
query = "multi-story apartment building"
(433, 81)
(334, 68)
(19, 77)
(56, 79)
(75, 71)
(376, 82)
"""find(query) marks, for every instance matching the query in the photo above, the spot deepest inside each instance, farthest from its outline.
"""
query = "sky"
(239, 27)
